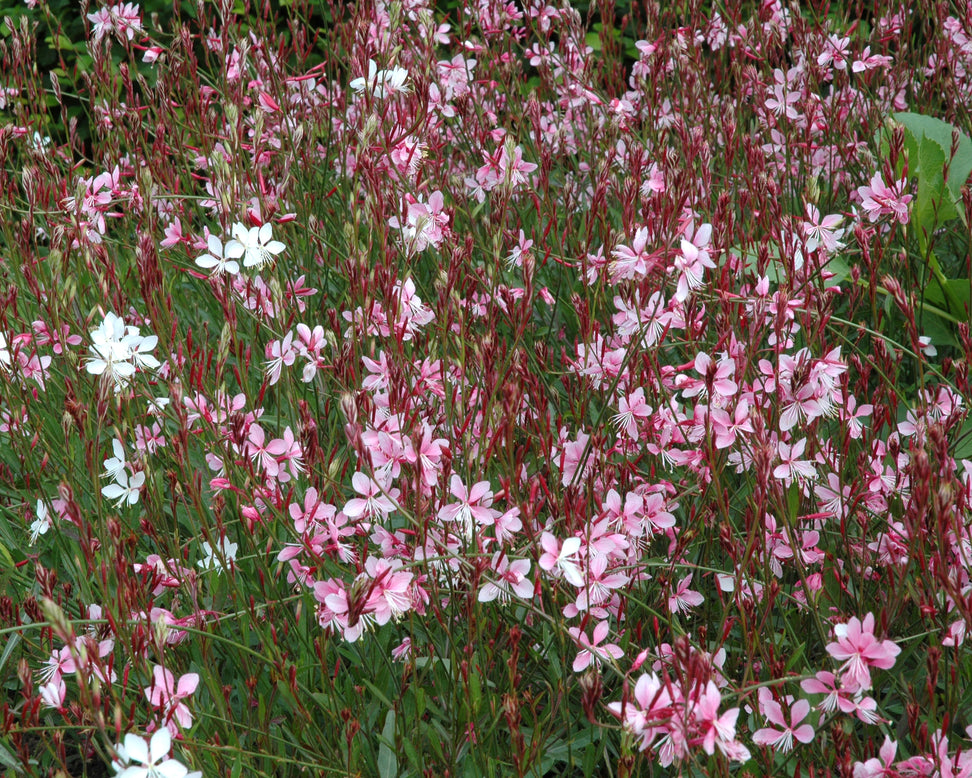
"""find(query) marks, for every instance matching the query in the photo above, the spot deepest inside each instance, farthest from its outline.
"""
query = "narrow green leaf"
(9, 648)
(8, 760)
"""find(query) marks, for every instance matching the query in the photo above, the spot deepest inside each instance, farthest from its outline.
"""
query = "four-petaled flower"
(215, 260)
(151, 758)
(858, 648)
(167, 695)
(592, 651)
(255, 245)
(783, 737)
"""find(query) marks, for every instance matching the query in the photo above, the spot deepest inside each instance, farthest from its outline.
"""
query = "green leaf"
(9, 761)
(387, 761)
(593, 38)
(963, 447)
(9, 648)
(378, 693)
(928, 142)
(932, 203)
(953, 294)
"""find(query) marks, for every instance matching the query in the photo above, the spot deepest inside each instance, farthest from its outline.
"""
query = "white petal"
(113, 491)
(172, 769)
(136, 748)
(234, 250)
(161, 743)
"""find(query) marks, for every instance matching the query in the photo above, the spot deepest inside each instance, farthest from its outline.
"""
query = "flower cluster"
(118, 351)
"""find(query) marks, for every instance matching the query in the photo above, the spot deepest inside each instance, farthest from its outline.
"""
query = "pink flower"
(632, 408)
(167, 696)
(879, 199)
(716, 730)
(857, 647)
(390, 594)
(647, 715)
(511, 578)
(783, 737)
(570, 458)
(592, 652)
(683, 598)
(879, 768)
(472, 507)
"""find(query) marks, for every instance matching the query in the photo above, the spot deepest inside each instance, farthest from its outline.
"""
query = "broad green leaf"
(928, 142)
(963, 448)
(955, 293)
(387, 761)
(952, 294)
(932, 205)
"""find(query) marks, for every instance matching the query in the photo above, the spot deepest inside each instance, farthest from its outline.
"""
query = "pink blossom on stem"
(783, 736)
(858, 648)
(167, 695)
(593, 649)
(878, 199)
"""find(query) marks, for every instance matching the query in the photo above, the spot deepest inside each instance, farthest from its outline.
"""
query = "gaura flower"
(255, 245)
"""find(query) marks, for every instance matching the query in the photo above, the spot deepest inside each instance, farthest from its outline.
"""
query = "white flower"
(140, 348)
(212, 561)
(215, 261)
(382, 83)
(152, 757)
(111, 358)
(41, 524)
(4, 353)
(255, 245)
(118, 350)
(115, 466)
(125, 489)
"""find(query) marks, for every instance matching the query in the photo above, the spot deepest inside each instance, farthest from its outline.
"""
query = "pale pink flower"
(691, 262)
(716, 730)
(215, 261)
(167, 695)
(792, 467)
(375, 500)
(561, 557)
(783, 737)
(822, 232)
(882, 767)
(683, 598)
(141, 758)
(472, 506)
(878, 199)
(592, 651)
(858, 648)
(510, 579)
(255, 245)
